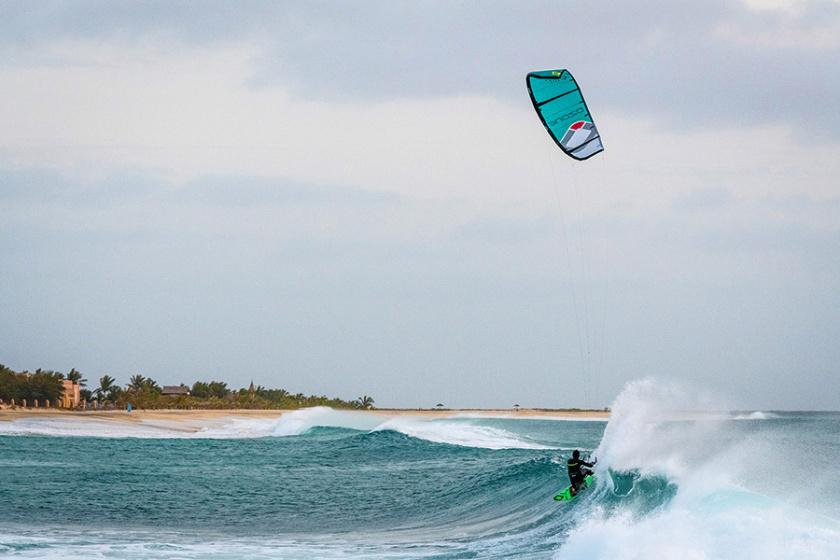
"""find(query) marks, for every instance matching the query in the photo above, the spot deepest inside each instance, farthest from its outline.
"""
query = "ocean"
(673, 481)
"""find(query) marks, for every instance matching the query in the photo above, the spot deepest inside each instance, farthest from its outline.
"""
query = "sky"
(358, 198)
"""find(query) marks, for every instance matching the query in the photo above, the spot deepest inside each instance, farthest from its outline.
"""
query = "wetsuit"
(576, 473)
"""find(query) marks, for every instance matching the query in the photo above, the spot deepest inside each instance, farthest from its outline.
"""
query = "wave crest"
(678, 487)
(466, 432)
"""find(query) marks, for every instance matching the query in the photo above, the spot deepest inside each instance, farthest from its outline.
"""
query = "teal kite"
(562, 110)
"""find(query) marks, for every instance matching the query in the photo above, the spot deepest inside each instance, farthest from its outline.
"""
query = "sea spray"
(655, 428)
(659, 432)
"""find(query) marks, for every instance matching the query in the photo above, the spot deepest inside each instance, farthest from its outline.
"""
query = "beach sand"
(191, 416)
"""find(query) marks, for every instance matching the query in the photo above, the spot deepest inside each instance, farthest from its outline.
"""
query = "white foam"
(97, 427)
(712, 516)
(708, 526)
(231, 427)
(292, 423)
(299, 421)
(755, 415)
(459, 433)
(163, 545)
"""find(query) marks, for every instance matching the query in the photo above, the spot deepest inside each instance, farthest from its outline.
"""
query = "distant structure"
(69, 394)
(251, 390)
(175, 391)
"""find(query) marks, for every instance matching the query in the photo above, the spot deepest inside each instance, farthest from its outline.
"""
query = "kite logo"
(578, 134)
(581, 139)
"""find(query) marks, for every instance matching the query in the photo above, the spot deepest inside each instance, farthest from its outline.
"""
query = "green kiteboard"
(566, 495)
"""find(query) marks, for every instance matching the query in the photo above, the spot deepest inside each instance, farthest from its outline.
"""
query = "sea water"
(674, 480)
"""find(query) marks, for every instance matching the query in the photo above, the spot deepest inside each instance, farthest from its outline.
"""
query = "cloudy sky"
(357, 198)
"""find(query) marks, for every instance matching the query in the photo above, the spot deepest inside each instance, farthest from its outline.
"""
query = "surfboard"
(566, 495)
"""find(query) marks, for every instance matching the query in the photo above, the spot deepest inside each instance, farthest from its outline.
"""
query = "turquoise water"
(324, 484)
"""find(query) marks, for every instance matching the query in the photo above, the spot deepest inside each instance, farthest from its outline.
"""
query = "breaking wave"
(711, 468)
(332, 484)
(755, 415)
(463, 432)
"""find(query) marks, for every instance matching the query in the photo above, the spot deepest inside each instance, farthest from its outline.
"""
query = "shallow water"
(321, 484)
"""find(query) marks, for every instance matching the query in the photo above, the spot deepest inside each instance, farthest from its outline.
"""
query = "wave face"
(320, 483)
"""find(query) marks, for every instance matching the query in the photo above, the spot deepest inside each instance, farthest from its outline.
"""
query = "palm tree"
(136, 382)
(366, 402)
(151, 385)
(76, 377)
(106, 387)
(57, 374)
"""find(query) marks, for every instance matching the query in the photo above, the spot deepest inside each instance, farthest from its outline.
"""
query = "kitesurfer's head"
(576, 454)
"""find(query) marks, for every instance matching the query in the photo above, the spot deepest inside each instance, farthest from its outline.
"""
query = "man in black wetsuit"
(576, 471)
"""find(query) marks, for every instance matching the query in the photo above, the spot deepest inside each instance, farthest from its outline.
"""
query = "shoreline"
(211, 414)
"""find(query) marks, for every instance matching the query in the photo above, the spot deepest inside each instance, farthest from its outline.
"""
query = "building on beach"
(70, 397)
(175, 391)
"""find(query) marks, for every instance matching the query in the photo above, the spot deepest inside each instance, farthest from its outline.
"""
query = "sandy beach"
(189, 416)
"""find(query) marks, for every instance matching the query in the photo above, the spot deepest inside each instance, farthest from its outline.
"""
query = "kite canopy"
(562, 110)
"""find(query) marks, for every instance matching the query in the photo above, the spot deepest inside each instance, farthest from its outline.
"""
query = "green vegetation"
(41, 385)
(108, 390)
(203, 390)
(145, 392)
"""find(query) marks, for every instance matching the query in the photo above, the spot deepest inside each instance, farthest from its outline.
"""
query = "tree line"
(145, 392)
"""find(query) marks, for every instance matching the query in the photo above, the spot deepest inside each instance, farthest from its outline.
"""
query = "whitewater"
(675, 479)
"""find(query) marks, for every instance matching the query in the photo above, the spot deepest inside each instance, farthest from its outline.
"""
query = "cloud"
(704, 200)
(187, 115)
(232, 192)
(786, 25)
(700, 65)
(41, 186)
(363, 191)
(504, 230)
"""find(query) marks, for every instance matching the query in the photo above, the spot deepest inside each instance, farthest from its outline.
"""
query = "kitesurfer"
(576, 471)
